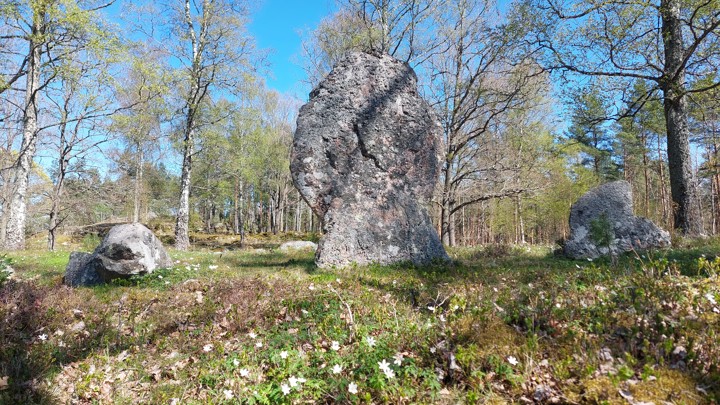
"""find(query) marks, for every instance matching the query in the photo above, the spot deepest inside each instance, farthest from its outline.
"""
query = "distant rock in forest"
(602, 223)
(127, 250)
(366, 157)
(298, 245)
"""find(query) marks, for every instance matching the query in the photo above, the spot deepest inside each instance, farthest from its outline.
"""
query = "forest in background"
(161, 113)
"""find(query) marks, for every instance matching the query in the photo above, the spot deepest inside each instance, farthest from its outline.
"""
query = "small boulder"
(128, 250)
(298, 245)
(602, 223)
(79, 272)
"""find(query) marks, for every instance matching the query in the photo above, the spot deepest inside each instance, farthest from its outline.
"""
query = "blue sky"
(277, 27)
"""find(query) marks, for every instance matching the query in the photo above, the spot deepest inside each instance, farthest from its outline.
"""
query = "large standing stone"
(602, 223)
(365, 158)
(127, 250)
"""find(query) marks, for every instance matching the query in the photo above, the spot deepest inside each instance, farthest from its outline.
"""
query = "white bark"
(17, 217)
(182, 224)
(138, 182)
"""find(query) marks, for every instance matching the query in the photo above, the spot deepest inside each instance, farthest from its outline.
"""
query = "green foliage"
(708, 268)
(244, 325)
(5, 263)
(90, 242)
(601, 230)
(590, 130)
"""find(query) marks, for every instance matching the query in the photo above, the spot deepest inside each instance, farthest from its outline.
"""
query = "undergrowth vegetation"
(501, 324)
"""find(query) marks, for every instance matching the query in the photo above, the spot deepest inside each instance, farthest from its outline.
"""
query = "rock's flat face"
(365, 158)
(79, 272)
(610, 206)
(127, 250)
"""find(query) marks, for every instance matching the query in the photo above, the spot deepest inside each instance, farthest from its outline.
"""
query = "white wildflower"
(207, 348)
(710, 297)
(228, 394)
(293, 381)
(433, 350)
(398, 359)
(312, 287)
(352, 388)
(43, 337)
(212, 267)
(304, 312)
(258, 344)
(385, 368)
(512, 360)
(370, 341)
(337, 369)
(236, 362)
(283, 354)
(335, 345)
(431, 308)
(252, 335)
(244, 372)
(285, 389)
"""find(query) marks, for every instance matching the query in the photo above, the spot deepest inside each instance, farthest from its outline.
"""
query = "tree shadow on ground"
(273, 261)
(29, 312)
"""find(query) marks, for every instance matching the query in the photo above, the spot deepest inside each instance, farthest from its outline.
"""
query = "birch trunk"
(138, 183)
(182, 224)
(17, 216)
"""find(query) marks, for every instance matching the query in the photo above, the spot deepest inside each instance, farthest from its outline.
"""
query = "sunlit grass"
(254, 325)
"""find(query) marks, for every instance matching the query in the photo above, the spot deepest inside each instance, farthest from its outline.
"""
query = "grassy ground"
(500, 325)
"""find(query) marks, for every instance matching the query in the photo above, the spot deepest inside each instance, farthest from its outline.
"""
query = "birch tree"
(51, 32)
(208, 39)
(144, 90)
(476, 84)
